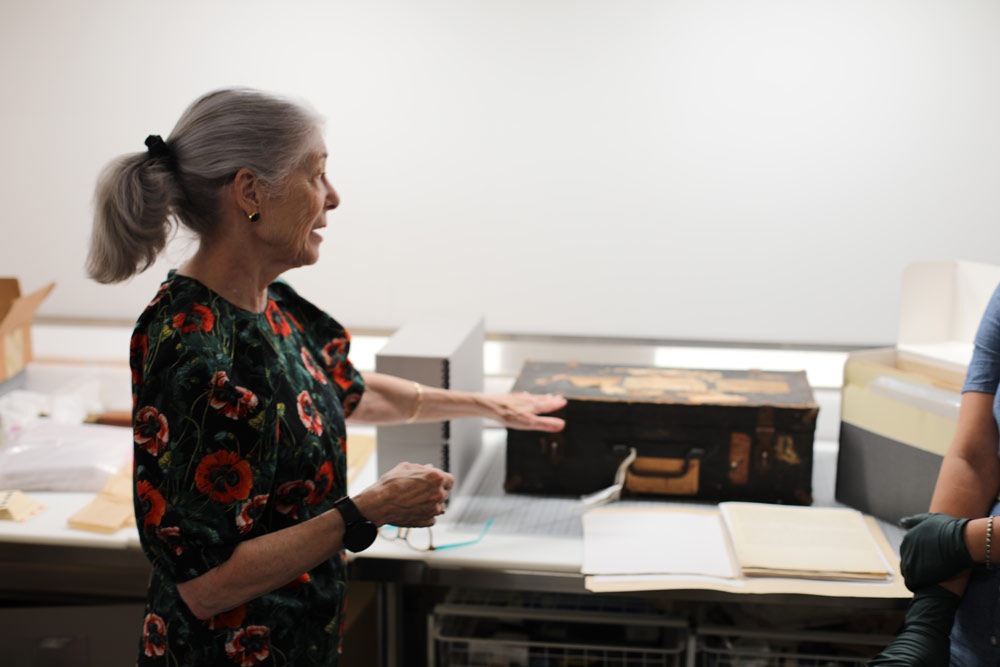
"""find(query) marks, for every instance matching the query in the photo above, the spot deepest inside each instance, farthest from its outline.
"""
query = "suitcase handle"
(692, 453)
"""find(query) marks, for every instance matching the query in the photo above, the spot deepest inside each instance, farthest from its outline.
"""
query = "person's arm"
(969, 479)
(262, 564)
(392, 400)
(407, 495)
(943, 542)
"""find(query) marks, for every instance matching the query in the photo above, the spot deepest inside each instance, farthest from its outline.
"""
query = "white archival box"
(899, 408)
(437, 351)
(941, 304)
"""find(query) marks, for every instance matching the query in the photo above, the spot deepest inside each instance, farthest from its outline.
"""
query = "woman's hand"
(933, 549)
(523, 411)
(408, 495)
(924, 640)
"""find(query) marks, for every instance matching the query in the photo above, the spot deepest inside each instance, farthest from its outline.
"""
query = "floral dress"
(239, 431)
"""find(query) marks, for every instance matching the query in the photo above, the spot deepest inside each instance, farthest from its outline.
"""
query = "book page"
(650, 541)
(815, 542)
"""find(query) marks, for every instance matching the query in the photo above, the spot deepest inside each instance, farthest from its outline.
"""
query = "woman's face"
(289, 222)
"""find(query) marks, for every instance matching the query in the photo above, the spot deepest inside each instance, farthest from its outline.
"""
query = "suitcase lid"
(789, 389)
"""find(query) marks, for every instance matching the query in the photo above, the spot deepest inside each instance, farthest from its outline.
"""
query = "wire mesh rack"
(508, 629)
(739, 647)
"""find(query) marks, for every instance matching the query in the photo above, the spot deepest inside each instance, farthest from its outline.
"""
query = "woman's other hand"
(924, 640)
(408, 495)
(524, 411)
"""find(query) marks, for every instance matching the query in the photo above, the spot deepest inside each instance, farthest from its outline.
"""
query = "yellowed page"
(815, 542)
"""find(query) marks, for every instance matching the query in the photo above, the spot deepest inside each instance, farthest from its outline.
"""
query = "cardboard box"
(899, 408)
(444, 352)
(16, 315)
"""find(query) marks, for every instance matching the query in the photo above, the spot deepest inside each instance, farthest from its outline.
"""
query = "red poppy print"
(311, 367)
(277, 320)
(307, 413)
(343, 619)
(137, 349)
(293, 495)
(350, 403)
(289, 316)
(224, 476)
(335, 348)
(154, 636)
(199, 318)
(151, 431)
(323, 484)
(171, 537)
(151, 503)
(229, 399)
(250, 511)
(159, 295)
(229, 620)
(303, 578)
(343, 374)
(248, 646)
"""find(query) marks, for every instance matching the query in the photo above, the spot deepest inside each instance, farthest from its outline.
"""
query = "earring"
(254, 217)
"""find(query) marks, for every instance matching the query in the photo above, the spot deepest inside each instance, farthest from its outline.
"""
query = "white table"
(534, 544)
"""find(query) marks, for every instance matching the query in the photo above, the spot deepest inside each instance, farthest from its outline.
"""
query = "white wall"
(744, 170)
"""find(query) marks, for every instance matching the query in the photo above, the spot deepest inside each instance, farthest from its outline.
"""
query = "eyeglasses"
(422, 539)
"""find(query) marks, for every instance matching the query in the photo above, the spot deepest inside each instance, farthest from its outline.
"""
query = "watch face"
(360, 535)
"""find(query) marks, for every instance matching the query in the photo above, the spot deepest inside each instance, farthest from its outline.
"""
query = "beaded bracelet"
(989, 540)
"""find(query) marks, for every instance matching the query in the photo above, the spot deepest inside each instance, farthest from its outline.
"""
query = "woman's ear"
(247, 191)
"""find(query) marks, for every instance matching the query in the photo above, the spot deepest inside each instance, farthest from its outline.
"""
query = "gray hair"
(140, 197)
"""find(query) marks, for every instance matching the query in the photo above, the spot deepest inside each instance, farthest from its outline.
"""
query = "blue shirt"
(975, 637)
(984, 369)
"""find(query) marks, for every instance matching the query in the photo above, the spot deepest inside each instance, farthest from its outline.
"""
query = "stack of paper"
(16, 506)
(111, 509)
(807, 542)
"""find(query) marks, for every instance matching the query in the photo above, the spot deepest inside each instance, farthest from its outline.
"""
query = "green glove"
(933, 550)
(924, 640)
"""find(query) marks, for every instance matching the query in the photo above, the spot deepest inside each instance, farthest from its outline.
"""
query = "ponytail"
(132, 221)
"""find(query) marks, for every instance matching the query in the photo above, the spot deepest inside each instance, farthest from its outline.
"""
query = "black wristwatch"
(359, 532)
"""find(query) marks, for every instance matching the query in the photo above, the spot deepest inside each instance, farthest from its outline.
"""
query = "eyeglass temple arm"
(466, 543)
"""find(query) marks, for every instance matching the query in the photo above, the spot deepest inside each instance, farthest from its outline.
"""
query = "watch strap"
(349, 511)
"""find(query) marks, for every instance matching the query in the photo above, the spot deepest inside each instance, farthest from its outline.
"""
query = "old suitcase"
(698, 434)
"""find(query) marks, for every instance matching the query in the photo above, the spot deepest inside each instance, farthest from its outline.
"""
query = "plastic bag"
(44, 455)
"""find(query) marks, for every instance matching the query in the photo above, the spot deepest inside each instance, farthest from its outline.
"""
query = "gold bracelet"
(989, 539)
(419, 404)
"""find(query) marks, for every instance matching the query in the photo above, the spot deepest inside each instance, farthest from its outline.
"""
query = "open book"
(739, 542)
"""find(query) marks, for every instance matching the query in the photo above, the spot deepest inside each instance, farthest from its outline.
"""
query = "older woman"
(241, 388)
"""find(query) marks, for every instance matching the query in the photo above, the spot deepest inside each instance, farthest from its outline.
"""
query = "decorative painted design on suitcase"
(700, 434)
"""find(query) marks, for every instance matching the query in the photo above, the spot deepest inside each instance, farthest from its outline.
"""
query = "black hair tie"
(158, 150)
